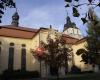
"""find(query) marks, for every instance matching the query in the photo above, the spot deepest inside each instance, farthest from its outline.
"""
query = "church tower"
(15, 19)
(71, 29)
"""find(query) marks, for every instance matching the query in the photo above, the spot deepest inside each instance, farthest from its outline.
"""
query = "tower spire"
(68, 21)
(15, 19)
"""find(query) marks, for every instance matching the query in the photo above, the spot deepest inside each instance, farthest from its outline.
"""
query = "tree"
(92, 53)
(55, 54)
(93, 40)
(4, 4)
(84, 55)
(75, 4)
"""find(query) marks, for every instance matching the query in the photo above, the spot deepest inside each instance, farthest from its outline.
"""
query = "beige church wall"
(35, 42)
(77, 59)
(3, 57)
(31, 62)
(75, 31)
(70, 30)
(65, 32)
(79, 32)
(44, 35)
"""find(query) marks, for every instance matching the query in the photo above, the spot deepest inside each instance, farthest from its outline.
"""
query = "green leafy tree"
(84, 55)
(55, 54)
(93, 40)
(4, 4)
(92, 53)
(75, 4)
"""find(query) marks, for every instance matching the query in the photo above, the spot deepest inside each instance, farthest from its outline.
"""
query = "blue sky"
(42, 13)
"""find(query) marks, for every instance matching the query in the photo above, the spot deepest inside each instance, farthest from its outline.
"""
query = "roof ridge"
(20, 28)
(69, 36)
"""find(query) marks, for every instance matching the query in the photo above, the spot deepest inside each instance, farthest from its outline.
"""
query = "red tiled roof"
(81, 40)
(17, 32)
(69, 40)
(28, 33)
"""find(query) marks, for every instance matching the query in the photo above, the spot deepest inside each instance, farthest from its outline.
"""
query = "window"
(0, 43)
(11, 44)
(11, 58)
(23, 59)
(23, 45)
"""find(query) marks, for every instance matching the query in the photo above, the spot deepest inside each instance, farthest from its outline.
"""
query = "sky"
(43, 13)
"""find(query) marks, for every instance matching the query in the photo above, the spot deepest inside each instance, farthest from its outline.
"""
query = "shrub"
(7, 74)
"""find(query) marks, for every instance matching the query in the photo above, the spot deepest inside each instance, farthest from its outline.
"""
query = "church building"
(16, 43)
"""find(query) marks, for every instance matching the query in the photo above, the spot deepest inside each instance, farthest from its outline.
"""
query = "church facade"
(17, 42)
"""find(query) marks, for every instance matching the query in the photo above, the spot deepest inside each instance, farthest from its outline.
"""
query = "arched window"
(23, 58)
(11, 56)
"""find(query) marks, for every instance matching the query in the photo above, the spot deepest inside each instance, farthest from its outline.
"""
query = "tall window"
(23, 58)
(11, 57)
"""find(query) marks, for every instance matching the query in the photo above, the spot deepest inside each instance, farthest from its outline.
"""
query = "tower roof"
(69, 24)
(15, 19)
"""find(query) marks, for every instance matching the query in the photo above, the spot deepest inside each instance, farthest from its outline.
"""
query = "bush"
(84, 72)
(20, 74)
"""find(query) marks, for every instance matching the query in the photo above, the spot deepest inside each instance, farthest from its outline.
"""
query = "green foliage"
(67, 5)
(84, 20)
(77, 0)
(55, 54)
(4, 4)
(93, 40)
(84, 55)
(75, 12)
(68, 0)
(92, 53)
(81, 51)
(98, 4)
(92, 3)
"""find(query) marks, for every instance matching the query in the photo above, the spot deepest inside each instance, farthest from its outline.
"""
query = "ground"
(89, 76)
